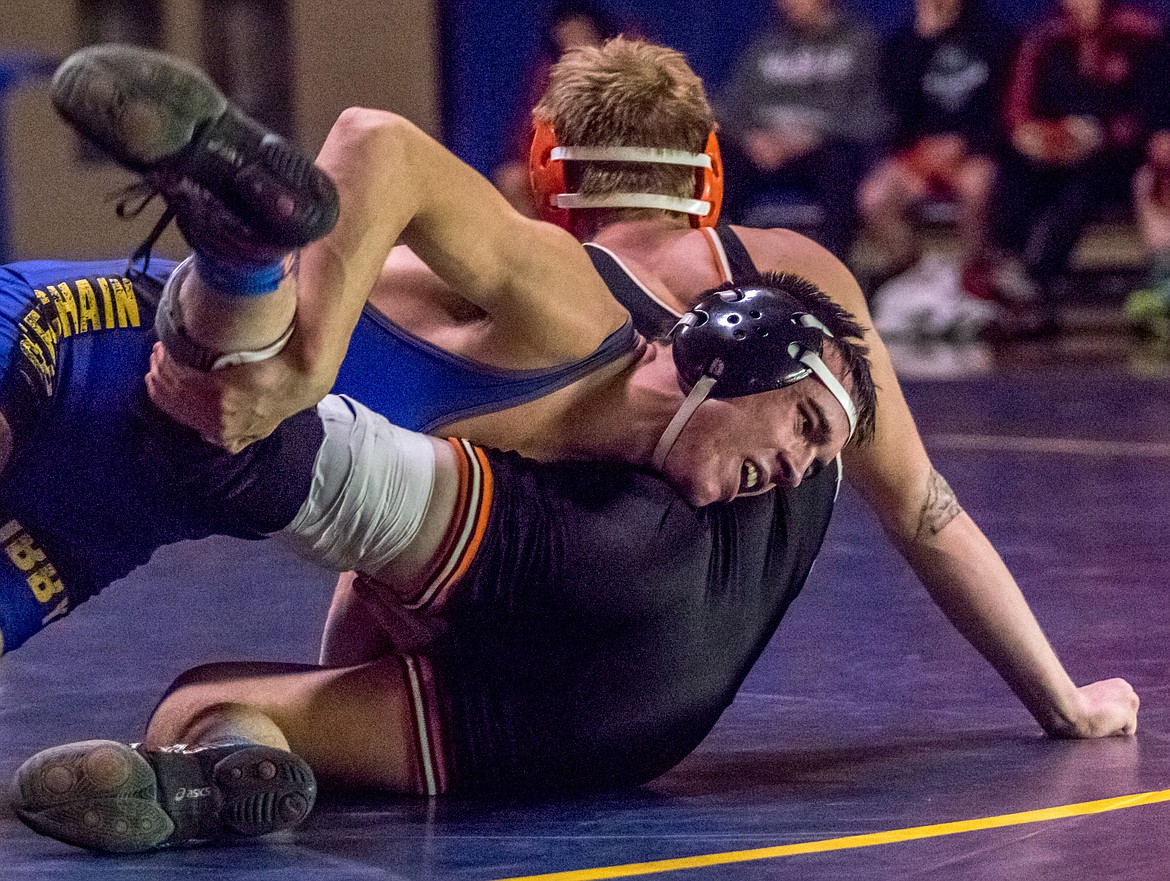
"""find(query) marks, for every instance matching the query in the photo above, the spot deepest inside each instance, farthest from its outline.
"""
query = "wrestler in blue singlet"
(98, 478)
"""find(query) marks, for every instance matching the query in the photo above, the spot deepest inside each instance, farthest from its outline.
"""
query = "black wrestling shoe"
(108, 796)
(164, 118)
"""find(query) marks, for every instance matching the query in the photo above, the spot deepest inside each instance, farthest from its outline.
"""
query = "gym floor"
(870, 742)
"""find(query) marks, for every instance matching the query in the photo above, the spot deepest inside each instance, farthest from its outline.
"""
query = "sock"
(228, 256)
(239, 278)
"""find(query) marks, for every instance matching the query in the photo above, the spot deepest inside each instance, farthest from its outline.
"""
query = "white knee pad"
(371, 488)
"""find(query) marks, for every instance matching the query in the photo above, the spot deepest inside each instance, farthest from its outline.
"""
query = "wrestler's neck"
(622, 419)
(663, 251)
(608, 226)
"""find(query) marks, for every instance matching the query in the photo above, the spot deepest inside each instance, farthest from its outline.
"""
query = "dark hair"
(847, 339)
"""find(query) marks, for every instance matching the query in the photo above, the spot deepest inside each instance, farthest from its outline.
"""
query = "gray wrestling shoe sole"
(165, 119)
(108, 796)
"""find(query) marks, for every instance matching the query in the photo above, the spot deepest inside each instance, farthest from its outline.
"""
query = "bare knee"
(183, 702)
(226, 694)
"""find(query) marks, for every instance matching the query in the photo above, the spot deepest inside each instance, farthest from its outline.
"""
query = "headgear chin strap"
(698, 393)
(815, 363)
(746, 341)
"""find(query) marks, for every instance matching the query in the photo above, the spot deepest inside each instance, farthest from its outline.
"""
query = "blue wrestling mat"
(870, 742)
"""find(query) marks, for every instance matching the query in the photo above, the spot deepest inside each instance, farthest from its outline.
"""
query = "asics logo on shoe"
(202, 792)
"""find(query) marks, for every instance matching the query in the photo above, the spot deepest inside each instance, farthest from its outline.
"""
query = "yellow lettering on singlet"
(45, 334)
(23, 553)
(107, 303)
(66, 309)
(40, 575)
(127, 303)
(89, 308)
(45, 583)
(35, 355)
(47, 307)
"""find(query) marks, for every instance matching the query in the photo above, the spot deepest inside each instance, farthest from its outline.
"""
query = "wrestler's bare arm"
(397, 184)
(959, 567)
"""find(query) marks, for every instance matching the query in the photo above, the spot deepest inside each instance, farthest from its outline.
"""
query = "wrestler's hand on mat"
(237, 405)
(1103, 709)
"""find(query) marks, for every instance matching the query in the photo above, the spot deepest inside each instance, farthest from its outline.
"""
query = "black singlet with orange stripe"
(605, 624)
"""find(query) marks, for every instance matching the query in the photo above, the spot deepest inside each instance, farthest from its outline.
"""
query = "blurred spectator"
(1149, 308)
(944, 76)
(570, 23)
(804, 110)
(1074, 112)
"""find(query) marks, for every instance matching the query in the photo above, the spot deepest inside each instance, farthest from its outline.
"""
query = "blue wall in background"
(489, 48)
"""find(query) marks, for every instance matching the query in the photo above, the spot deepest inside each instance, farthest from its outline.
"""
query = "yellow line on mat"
(854, 841)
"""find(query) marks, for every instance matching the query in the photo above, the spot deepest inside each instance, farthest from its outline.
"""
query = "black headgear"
(744, 338)
(742, 341)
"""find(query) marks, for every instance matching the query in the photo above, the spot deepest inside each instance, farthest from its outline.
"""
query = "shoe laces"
(132, 201)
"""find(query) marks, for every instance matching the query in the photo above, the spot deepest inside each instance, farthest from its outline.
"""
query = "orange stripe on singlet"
(463, 538)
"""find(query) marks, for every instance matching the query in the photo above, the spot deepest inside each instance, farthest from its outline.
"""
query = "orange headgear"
(546, 166)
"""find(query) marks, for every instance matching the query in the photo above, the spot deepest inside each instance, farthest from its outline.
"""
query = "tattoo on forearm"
(940, 508)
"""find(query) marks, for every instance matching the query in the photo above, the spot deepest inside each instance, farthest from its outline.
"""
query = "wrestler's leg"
(353, 725)
(243, 197)
(232, 750)
(353, 633)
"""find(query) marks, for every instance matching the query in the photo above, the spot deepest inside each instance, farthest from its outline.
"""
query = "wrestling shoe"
(163, 118)
(108, 796)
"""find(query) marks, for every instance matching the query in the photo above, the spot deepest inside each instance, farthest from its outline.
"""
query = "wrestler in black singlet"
(605, 624)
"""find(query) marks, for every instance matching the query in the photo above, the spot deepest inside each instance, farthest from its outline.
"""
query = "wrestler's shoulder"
(779, 246)
(784, 250)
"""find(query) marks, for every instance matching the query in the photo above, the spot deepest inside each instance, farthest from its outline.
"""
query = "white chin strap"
(703, 387)
(698, 394)
(644, 155)
(698, 207)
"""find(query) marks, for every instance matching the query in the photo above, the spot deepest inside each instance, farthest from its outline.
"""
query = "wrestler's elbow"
(369, 136)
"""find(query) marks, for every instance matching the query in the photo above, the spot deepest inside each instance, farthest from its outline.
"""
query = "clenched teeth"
(750, 475)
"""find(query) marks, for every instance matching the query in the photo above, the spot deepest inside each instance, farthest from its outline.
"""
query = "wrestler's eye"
(803, 425)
